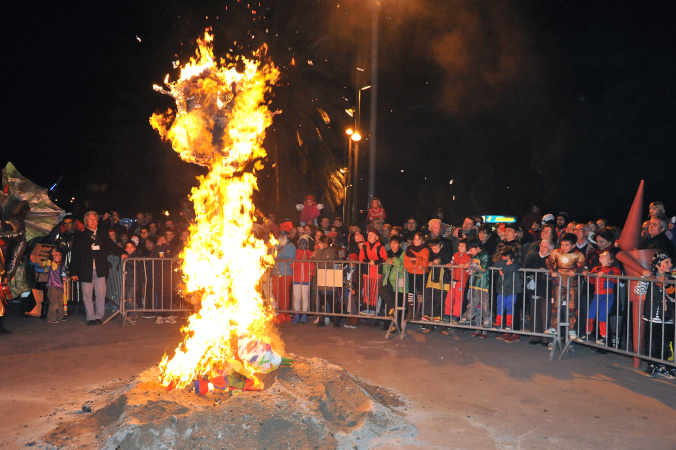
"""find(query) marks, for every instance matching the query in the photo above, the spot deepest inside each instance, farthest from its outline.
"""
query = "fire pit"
(313, 404)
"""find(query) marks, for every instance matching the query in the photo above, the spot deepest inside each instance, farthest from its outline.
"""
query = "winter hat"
(548, 218)
(286, 226)
(304, 242)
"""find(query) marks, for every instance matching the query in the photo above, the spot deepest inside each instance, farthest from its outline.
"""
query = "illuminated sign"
(499, 219)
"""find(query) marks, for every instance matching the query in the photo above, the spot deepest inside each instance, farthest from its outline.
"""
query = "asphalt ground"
(460, 391)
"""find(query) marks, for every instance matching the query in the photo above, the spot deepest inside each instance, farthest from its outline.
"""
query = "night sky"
(566, 104)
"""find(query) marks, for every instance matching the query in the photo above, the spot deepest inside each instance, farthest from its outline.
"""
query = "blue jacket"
(285, 268)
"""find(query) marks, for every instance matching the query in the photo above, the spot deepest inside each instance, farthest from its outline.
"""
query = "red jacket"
(304, 269)
(461, 274)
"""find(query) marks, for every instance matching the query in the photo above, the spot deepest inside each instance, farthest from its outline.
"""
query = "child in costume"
(376, 211)
(562, 264)
(416, 260)
(309, 210)
(282, 272)
(437, 283)
(508, 284)
(303, 271)
(658, 314)
(394, 278)
(57, 272)
(604, 298)
(373, 253)
(459, 279)
(479, 283)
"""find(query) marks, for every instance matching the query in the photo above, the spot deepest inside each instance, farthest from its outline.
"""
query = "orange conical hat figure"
(631, 233)
(636, 264)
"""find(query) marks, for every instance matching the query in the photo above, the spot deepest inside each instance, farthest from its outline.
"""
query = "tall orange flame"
(220, 122)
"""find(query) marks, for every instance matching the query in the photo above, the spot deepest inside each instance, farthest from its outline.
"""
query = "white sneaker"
(170, 319)
(572, 335)
(159, 320)
(552, 331)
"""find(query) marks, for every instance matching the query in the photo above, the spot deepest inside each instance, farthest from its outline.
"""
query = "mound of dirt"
(313, 404)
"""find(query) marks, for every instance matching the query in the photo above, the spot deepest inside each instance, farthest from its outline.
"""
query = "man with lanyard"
(89, 265)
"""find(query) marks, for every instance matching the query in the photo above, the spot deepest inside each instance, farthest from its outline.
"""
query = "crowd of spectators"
(80, 254)
(440, 271)
(449, 265)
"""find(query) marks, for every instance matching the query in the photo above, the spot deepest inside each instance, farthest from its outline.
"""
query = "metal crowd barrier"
(148, 285)
(349, 289)
(629, 330)
(114, 286)
(72, 294)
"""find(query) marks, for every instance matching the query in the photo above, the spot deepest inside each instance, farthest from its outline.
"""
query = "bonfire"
(219, 122)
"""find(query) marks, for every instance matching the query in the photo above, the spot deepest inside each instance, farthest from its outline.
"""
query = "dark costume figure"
(12, 247)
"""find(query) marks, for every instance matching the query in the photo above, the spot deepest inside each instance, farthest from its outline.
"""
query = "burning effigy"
(219, 122)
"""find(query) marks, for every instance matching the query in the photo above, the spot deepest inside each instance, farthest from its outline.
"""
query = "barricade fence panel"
(628, 315)
(530, 302)
(114, 281)
(150, 285)
(72, 296)
(631, 316)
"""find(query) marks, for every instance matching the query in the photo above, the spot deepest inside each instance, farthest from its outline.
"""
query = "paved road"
(462, 391)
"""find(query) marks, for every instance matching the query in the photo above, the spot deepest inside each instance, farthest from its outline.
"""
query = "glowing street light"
(352, 174)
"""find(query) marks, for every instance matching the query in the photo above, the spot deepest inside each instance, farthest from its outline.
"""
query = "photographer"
(111, 221)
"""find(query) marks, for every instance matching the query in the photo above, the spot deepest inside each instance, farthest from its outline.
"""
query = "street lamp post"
(353, 157)
(349, 177)
(353, 154)
(374, 104)
(345, 173)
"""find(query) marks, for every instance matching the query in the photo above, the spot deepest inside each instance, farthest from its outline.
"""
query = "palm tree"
(306, 146)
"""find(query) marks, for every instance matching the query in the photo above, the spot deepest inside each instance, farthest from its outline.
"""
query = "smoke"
(483, 50)
(483, 53)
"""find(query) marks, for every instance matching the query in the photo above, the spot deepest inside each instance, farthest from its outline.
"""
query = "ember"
(220, 122)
